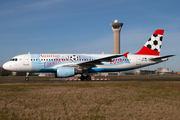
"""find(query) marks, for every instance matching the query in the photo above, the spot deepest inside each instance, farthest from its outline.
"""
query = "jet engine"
(63, 72)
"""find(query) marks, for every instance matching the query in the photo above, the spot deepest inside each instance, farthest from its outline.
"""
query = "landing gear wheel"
(88, 77)
(82, 78)
(26, 79)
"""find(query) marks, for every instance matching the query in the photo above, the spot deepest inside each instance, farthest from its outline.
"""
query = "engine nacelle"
(63, 72)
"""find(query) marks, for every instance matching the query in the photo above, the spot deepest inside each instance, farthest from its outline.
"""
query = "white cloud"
(42, 4)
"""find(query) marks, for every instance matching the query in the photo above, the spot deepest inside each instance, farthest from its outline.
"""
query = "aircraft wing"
(99, 61)
(161, 58)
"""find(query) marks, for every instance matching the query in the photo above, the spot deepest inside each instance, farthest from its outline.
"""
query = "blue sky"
(83, 26)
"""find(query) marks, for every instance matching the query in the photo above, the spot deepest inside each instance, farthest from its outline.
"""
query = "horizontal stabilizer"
(161, 58)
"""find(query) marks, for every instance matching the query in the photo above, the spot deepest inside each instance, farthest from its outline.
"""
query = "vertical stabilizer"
(153, 45)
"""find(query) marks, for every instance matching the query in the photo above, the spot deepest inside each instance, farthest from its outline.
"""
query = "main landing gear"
(85, 78)
(27, 78)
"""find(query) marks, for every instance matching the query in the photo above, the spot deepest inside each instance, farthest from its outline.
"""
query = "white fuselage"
(50, 62)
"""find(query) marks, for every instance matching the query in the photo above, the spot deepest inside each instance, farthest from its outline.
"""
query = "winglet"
(125, 54)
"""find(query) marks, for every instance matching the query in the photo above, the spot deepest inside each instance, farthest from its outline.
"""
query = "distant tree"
(21, 74)
(0, 71)
(6, 73)
(9, 73)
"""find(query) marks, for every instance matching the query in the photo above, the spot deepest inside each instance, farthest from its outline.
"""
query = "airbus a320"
(68, 65)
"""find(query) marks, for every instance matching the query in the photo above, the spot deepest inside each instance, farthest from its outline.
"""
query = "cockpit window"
(13, 59)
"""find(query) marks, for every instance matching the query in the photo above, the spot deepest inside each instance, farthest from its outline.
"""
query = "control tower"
(116, 27)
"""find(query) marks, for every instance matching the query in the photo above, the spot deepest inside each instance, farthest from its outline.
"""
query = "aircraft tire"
(26, 79)
(88, 77)
(82, 78)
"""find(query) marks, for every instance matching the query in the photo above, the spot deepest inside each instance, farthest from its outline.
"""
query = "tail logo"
(153, 45)
(154, 42)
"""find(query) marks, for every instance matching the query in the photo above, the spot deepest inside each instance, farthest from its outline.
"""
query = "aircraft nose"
(6, 66)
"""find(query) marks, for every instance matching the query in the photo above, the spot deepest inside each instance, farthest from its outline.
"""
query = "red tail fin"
(153, 45)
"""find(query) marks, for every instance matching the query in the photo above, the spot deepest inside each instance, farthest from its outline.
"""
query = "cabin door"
(26, 60)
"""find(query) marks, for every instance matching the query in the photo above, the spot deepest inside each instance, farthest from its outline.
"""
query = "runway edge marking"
(65, 79)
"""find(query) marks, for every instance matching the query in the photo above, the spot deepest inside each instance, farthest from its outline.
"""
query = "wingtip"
(125, 54)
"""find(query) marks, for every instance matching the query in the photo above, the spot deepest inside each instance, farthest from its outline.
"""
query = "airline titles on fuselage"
(51, 60)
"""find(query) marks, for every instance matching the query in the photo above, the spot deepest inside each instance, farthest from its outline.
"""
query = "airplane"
(68, 65)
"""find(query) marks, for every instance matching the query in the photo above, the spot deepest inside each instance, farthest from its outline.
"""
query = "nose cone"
(7, 66)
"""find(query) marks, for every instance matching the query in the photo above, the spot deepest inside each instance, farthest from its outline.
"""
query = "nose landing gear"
(27, 78)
